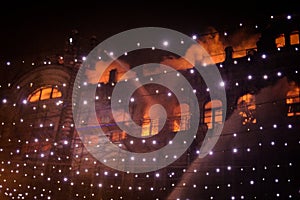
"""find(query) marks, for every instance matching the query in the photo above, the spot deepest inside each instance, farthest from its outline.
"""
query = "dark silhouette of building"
(256, 157)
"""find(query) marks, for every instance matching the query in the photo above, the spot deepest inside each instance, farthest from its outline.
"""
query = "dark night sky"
(30, 29)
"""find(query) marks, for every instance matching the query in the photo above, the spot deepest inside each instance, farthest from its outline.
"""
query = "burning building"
(256, 156)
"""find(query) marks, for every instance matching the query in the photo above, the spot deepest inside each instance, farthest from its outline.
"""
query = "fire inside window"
(246, 107)
(118, 136)
(150, 127)
(181, 121)
(293, 102)
(213, 113)
(294, 37)
(44, 93)
(281, 39)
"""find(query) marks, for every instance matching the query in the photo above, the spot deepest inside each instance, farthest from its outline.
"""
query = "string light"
(37, 171)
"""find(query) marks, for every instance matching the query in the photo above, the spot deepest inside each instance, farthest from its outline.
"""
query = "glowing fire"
(211, 50)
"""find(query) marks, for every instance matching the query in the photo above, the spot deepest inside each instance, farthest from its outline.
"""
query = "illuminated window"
(118, 136)
(150, 127)
(294, 37)
(246, 108)
(213, 113)
(293, 102)
(280, 41)
(181, 121)
(44, 93)
(153, 121)
(146, 128)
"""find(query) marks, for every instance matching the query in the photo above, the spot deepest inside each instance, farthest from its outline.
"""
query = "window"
(293, 102)
(181, 112)
(280, 41)
(118, 136)
(246, 108)
(213, 113)
(150, 126)
(294, 37)
(44, 93)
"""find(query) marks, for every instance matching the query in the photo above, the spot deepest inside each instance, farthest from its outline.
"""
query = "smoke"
(242, 40)
(93, 75)
(209, 51)
(212, 46)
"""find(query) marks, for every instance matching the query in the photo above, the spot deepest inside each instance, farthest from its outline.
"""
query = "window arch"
(44, 93)
(213, 113)
(246, 107)
(293, 102)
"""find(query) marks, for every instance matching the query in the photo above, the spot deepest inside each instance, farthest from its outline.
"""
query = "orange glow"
(246, 106)
(294, 37)
(150, 127)
(93, 75)
(211, 49)
(177, 63)
(181, 112)
(118, 136)
(44, 93)
(213, 113)
(35, 96)
(56, 93)
(293, 102)
(146, 128)
(176, 125)
(280, 41)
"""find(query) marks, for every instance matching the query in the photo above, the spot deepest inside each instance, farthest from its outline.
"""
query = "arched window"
(294, 37)
(44, 93)
(213, 113)
(293, 102)
(246, 107)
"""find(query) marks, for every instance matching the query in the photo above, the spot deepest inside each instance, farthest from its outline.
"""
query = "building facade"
(256, 157)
